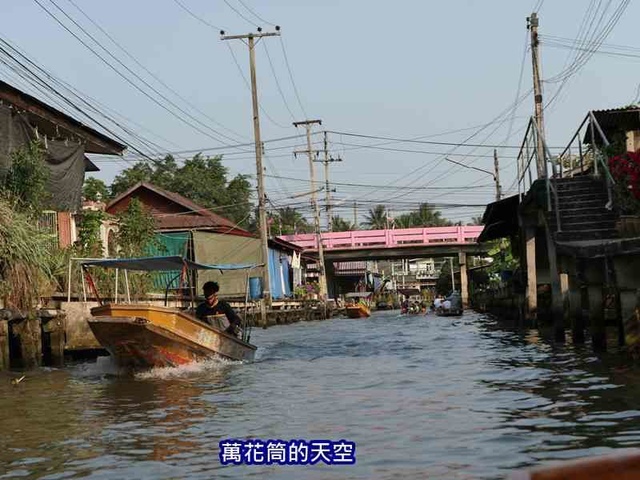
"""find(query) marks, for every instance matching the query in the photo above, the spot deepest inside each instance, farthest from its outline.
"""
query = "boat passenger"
(212, 305)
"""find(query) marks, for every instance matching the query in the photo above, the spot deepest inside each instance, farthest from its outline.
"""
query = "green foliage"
(424, 216)
(443, 284)
(136, 230)
(26, 260)
(376, 218)
(25, 185)
(95, 189)
(476, 221)
(339, 224)
(89, 223)
(200, 179)
(289, 221)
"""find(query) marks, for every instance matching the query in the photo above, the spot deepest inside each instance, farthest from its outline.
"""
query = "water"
(421, 396)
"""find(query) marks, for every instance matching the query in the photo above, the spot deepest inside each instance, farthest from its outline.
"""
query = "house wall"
(156, 203)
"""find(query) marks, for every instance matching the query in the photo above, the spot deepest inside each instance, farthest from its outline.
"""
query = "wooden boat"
(617, 466)
(358, 310)
(143, 336)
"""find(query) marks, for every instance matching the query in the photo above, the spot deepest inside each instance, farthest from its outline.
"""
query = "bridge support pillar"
(464, 283)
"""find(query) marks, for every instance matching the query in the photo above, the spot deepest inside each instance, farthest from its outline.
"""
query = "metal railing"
(528, 152)
(589, 155)
(589, 159)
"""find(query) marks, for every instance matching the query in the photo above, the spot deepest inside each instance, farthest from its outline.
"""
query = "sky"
(426, 70)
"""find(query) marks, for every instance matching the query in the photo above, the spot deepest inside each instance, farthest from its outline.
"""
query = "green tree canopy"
(289, 221)
(424, 216)
(339, 224)
(200, 179)
(25, 184)
(95, 189)
(376, 218)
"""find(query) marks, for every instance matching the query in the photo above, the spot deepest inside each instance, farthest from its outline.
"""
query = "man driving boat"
(212, 305)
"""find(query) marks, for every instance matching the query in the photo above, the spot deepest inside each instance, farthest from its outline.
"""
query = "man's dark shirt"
(222, 307)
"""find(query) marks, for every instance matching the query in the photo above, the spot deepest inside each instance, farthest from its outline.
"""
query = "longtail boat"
(141, 336)
(359, 309)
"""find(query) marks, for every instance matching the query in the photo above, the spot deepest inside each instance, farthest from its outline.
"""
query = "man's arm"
(232, 316)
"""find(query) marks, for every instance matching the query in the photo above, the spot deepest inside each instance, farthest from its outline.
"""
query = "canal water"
(421, 396)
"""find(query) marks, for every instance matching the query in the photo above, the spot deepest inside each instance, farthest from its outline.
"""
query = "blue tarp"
(279, 274)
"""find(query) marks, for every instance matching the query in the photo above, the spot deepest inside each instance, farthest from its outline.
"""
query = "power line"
(295, 88)
(128, 80)
(159, 80)
(275, 77)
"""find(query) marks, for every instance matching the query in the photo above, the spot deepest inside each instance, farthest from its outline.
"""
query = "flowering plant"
(312, 287)
(625, 169)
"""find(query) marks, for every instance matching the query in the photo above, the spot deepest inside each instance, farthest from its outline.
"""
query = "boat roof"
(154, 264)
(358, 294)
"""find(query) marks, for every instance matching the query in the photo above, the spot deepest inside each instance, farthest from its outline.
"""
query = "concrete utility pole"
(496, 175)
(537, 91)
(316, 213)
(355, 215)
(264, 235)
(453, 280)
(327, 192)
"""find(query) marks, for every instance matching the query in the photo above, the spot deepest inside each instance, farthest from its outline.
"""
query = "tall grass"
(26, 260)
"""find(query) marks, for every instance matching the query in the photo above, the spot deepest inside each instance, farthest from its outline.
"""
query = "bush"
(625, 169)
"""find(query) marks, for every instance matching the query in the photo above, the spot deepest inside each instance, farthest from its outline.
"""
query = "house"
(24, 118)
(188, 229)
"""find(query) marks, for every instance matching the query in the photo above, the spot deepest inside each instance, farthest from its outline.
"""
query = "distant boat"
(358, 309)
(450, 306)
(141, 336)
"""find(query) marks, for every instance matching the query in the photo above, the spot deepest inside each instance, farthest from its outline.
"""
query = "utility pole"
(453, 280)
(496, 175)
(251, 42)
(316, 213)
(327, 192)
(537, 91)
(355, 215)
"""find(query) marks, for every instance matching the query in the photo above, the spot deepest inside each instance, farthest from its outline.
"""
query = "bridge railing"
(388, 238)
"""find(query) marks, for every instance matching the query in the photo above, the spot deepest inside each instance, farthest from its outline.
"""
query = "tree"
(95, 189)
(376, 218)
(443, 284)
(339, 224)
(25, 184)
(476, 221)
(424, 216)
(290, 221)
(136, 230)
(140, 172)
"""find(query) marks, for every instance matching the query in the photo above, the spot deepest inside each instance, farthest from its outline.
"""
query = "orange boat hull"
(358, 311)
(146, 336)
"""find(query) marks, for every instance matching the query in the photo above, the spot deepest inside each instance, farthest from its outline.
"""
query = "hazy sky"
(401, 69)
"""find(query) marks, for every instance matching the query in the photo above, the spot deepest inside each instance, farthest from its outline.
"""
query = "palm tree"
(292, 221)
(339, 224)
(376, 219)
(476, 221)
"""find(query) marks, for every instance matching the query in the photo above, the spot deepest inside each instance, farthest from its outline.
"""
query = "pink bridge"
(402, 237)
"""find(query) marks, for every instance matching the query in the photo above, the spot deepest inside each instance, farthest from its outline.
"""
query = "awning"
(155, 264)
(358, 294)
(500, 219)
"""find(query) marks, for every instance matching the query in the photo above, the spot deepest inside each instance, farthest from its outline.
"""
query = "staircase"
(583, 212)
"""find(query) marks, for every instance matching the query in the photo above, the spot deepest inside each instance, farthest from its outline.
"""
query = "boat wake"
(214, 364)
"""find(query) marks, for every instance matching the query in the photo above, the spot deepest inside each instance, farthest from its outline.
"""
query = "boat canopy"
(358, 294)
(155, 264)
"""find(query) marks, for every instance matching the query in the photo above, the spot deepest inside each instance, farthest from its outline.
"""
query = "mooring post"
(4, 344)
(464, 284)
(596, 318)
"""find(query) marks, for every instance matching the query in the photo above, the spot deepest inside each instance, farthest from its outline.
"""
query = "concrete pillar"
(464, 283)
(556, 292)
(4, 345)
(532, 283)
(596, 319)
(55, 328)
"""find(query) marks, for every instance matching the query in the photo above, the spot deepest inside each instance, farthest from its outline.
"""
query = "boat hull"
(357, 311)
(146, 336)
